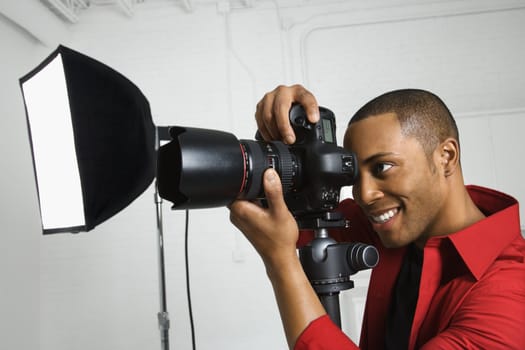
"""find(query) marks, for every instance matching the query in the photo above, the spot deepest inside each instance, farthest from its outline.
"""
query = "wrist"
(282, 263)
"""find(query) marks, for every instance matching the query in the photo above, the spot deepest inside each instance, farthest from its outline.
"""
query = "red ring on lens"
(244, 162)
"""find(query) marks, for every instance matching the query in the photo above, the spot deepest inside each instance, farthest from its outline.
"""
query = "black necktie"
(404, 300)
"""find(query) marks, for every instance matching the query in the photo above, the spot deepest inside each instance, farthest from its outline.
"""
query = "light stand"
(328, 264)
(162, 134)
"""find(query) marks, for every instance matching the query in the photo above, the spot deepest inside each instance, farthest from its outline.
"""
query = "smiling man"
(452, 259)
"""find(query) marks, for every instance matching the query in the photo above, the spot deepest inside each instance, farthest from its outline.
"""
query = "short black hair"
(421, 114)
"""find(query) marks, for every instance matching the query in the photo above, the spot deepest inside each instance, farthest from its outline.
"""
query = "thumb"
(274, 191)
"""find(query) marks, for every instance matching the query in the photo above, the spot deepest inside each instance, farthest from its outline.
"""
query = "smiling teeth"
(381, 219)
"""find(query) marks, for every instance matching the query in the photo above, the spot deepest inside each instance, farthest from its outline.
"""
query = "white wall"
(208, 68)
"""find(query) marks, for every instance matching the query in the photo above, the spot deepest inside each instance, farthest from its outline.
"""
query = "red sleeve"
(323, 334)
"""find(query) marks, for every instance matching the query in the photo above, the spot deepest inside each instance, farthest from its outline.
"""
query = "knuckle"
(266, 116)
(280, 87)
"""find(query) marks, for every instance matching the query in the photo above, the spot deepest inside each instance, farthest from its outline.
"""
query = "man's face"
(400, 191)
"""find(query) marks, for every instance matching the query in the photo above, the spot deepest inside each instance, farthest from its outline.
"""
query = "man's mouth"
(384, 217)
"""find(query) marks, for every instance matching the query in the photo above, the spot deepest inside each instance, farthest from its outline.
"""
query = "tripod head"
(329, 265)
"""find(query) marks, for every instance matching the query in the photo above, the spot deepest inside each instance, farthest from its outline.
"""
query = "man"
(452, 260)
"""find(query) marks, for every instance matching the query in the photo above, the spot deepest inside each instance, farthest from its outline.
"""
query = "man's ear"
(449, 156)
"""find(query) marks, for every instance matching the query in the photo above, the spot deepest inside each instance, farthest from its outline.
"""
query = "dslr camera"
(203, 168)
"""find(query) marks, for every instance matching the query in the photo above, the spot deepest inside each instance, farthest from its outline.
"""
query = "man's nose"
(366, 190)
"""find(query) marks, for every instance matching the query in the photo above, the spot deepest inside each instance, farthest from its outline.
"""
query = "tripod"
(328, 264)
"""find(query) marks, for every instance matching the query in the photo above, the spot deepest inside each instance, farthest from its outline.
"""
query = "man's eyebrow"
(375, 156)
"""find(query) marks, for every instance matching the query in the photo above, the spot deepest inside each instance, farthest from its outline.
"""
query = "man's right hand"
(272, 114)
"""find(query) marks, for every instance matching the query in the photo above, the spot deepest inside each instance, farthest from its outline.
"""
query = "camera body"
(202, 168)
(323, 167)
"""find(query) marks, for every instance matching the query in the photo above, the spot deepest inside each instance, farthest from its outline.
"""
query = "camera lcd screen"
(327, 131)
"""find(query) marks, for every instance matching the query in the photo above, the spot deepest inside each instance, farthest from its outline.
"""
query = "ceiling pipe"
(64, 9)
(126, 6)
(188, 6)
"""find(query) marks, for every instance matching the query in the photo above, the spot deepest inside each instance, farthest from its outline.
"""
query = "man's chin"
(389, 242)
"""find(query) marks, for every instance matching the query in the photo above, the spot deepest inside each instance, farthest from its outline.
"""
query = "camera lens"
(204, 168)
(259, 156)
(200, 168)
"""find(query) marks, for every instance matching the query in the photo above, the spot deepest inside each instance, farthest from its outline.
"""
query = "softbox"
(92, 140)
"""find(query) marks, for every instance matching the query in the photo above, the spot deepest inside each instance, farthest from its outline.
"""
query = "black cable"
(188, 280)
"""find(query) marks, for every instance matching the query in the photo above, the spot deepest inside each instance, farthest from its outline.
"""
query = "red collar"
(479, 244)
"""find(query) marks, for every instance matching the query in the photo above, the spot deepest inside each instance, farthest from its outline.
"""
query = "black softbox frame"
(114, 136)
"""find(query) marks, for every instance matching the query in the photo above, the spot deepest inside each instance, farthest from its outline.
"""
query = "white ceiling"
(71, 10)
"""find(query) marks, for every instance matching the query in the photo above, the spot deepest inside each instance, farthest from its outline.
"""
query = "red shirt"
(472, 289)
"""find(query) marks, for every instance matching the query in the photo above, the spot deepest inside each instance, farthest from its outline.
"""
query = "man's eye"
(382, 167)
